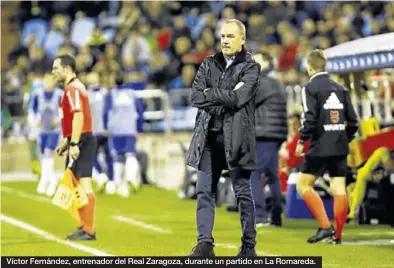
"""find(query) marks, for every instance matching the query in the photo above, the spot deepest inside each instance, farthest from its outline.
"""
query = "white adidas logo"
(333, 102)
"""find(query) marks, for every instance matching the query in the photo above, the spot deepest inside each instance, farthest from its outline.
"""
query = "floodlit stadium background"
(158, 46)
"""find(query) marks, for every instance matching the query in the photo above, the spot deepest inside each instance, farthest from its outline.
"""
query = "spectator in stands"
(60, 23)
(21, 50)
(182, 46)
(108, 61)
(67, 47)
(13, 99)
(227, 14)
(329, 23)
(287, 57)
(180, 28)
(182, 82)
(156, 13)
(256, 31)
(309, 28)
(97, 41)
(84, 59)
(208, 38)
(38, 61)
(271, 132)
(185, 80)
(276, 12)
(198, 54)
(138, 47)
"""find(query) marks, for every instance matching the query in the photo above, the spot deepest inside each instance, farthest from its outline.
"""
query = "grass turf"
(159, 224)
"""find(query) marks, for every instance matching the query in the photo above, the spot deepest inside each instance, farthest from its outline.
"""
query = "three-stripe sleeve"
(309, 115)
(74, 98)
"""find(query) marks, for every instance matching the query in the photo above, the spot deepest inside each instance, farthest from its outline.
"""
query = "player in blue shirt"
(103, 176)
(123, 119)
(45, 114)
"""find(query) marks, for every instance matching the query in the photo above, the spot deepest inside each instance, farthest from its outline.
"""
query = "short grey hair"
(240, 25)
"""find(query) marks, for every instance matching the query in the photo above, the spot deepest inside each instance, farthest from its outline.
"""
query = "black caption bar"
(272, 262)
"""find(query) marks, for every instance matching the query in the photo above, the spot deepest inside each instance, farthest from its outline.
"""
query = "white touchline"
(140, 224)
(160, 230)
(121, 219)
(21, 176)
(371, 233)
(231, 246)
(116, 217)
(26, 195)
(51, 237)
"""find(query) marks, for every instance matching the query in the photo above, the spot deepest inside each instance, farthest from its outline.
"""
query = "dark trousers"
(102, 143)
(212, 163)
(267, 173)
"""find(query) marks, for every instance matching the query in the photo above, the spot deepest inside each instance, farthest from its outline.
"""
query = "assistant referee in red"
(78, 139)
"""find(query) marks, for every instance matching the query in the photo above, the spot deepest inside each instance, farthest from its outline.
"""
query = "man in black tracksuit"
(224, 137)
(271, 132)
(330, 122)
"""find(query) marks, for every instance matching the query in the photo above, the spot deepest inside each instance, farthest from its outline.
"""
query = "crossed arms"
(215, 100)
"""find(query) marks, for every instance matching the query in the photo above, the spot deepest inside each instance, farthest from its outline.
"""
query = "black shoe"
(77, 232)
(203, 250)
(268, 222)
(247, 252)
(81, 235)
(276, 220)
(277, 223)
(321, 234)
(333, 240)
(262, 222)
(232, 208)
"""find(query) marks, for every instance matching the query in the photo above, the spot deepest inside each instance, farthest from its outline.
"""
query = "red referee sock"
(340, 213)
(316, 206)
(87, 214)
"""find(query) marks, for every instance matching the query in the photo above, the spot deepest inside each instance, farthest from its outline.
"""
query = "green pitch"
(155, 222)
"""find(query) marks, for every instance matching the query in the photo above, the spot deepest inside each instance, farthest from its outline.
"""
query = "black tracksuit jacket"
(329, 119)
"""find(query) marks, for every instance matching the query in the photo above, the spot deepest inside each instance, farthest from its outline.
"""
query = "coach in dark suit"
(271, 132)
(224, 136)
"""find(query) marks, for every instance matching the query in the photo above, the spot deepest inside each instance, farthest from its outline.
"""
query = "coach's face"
(231, 39)
(58, 70)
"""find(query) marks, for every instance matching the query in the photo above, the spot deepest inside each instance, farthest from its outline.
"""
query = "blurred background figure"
(271, 132)
(123, 120)
(289, 162)
(380, 162)
(102, 172)
(35, 85)
(44, 114)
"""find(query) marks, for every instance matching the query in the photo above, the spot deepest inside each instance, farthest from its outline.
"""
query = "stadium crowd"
(160, 44)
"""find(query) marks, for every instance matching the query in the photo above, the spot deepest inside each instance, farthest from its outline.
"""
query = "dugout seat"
(378, 204)
(295, 205)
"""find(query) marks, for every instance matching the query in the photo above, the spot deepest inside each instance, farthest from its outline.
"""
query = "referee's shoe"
(80, 234)
(321, 234)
